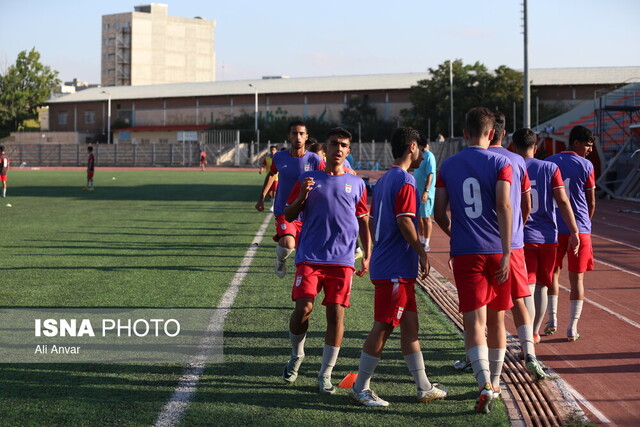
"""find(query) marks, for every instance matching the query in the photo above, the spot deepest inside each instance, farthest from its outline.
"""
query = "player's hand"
(305, 188)
(260, 205)
(503, 273)
(574, 243)
(425, 197)
(424, 266)
(364, 267)
(450, 263)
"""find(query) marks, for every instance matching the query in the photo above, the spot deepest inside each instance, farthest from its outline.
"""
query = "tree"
(473, 86)
(23, 87)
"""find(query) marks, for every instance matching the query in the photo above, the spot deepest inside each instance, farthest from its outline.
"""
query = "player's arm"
(408, 231)
(505, 220)
(425, 190)
(525, 198)
(297, 197)
(590, 193)
(440, 210)
(566, 211)
(365, 239)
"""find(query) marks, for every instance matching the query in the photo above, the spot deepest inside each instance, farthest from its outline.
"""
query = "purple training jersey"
(578, 176)
(394, 196)
(545, 177)
(289, 169)
(331, 213)
(470, 178)
(519, 185)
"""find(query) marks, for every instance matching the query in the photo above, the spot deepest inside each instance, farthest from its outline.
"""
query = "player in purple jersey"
(523, 306)
(288, 165)
(541, 231)
(580, 185)
(394, 270)
(334, 204)
(475, 183)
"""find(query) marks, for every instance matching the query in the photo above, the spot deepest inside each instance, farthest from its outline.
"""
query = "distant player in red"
(397, 252)
(334, 205)
(266, 165)
(91, 166)
(476, 184)
(541, 230)
(580, 185)
(203, 159)
(4, 169)
(288, 165)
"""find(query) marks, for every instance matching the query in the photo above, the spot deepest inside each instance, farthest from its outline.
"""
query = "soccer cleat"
(434, 394)
(426, 247)
(483, 404)
(573, 336)
(463, 365)
(367, 397)
(271, 208)
(281, 268)
(534, 368)
(550, 328)
(290, 373)
(325, 386)
(536, 339)
(496, 392)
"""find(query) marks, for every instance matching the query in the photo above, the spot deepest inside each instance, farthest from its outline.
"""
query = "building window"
(164, 141)
(125, 24)
(106, 27)
(106, 42)
(116, 26)
(144, 140)
(62, 118)
(89, 117)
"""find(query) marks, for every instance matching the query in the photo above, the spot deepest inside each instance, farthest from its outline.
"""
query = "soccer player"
(91, 166)
(394, 270)
(288, 164)
(523, 305)
(203, 159)
(4, 169)
(541, 231)
(580, 185)
(476, 184)
(425, 176)
(334, 205)
(266, 165)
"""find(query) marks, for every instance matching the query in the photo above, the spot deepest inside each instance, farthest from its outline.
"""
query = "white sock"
(422, 239)
(297, 344)
(283, 253)
(540, 299)
(427, 240)
(525, 336)
(479, 357)
(552, 308)
(531, 308)
(415, 364)
(575, 309)
(496, 360)
(329, 358)
(366, 369)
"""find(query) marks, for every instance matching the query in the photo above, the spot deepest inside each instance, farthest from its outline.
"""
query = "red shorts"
(90, 175)
(393, 298)
(284, 228)
(274, 186)
(518, 275)
(335, 280)
(3, 178)
(577, 264)
(476, 286)
(540, 259)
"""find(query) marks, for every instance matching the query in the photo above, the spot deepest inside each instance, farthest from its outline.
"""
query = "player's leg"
(298, 326)
(286, 232)
(575, 304)
(369, 357)
(332, 343)
(429, 229)
(4, 186)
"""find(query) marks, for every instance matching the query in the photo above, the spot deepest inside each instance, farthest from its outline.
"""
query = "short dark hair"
(524, 138)
(273, 146)
(423, 140)
(315, 147)
(340, 132)
(296, 123)
(582, 134)
(479, 120)
(401, 139)
(1, 147)
(499, 126)
(90, 149)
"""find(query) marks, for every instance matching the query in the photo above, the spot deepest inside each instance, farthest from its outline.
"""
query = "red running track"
(603, 366)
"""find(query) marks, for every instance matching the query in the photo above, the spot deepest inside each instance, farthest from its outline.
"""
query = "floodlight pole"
(451, 95)
(526, 111)
(108, 116)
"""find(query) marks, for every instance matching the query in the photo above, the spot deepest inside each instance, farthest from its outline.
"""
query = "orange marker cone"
(348, 380)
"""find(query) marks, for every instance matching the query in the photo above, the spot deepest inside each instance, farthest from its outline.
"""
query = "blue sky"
(329, 37)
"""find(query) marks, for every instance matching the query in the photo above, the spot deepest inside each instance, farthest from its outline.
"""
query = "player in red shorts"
(541, 230)
(394, 269)
(4, 169)
(334, 205)
(288, 165)
(580, 185)
(476, 183)
(203, 159)
(91, 167)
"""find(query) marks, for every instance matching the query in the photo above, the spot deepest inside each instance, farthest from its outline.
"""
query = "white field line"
(175, 408)
(616, 241)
